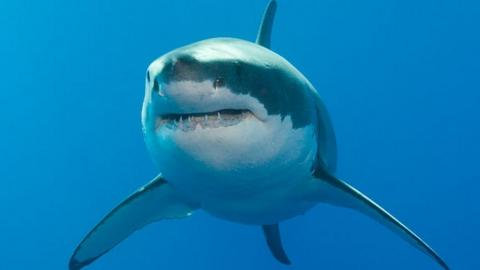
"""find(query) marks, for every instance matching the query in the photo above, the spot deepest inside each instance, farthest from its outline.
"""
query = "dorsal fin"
(265, 30)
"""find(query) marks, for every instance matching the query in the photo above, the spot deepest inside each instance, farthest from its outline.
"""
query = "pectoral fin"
(334, 191)
(153, 202)
(274, 242)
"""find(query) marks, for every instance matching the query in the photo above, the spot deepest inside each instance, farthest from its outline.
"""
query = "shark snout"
(165, 74)
(191, 83)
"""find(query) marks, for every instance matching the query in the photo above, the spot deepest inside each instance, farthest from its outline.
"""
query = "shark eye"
(219, 82)
(148, 76)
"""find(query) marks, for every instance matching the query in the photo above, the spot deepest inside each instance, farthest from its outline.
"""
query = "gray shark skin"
(239, 132)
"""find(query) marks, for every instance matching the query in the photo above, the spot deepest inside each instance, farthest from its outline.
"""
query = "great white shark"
(239, 132)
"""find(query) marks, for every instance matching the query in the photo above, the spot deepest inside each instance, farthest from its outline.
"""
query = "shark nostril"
(156, 87)
(148, 76)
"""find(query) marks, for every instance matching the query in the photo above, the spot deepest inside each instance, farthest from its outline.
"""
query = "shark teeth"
(189, 122)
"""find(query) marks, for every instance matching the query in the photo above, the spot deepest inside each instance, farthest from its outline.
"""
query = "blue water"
(401, 80)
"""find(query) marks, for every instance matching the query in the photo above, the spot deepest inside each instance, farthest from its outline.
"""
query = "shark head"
(226, 106)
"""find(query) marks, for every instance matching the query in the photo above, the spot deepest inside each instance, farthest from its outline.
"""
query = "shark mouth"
(191, 121)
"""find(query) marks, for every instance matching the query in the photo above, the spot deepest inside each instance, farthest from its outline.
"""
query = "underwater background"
(401, 80)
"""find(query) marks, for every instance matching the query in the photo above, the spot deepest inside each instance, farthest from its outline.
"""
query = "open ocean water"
(401, 80)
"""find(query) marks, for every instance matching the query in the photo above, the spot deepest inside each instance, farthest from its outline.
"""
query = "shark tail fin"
(265, 30)
(334, 191)
(274, 242)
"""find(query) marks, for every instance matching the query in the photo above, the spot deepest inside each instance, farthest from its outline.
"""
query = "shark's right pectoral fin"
(334, 191)
(155, 201)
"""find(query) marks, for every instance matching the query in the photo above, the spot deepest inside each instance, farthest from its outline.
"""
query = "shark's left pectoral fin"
(155, 201)
(334, 191)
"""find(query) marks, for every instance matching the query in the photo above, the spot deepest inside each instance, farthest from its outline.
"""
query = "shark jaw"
(191, 121)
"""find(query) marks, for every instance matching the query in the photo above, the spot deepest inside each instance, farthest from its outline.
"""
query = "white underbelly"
(245, 198)
(260, 209)
(254, 172)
